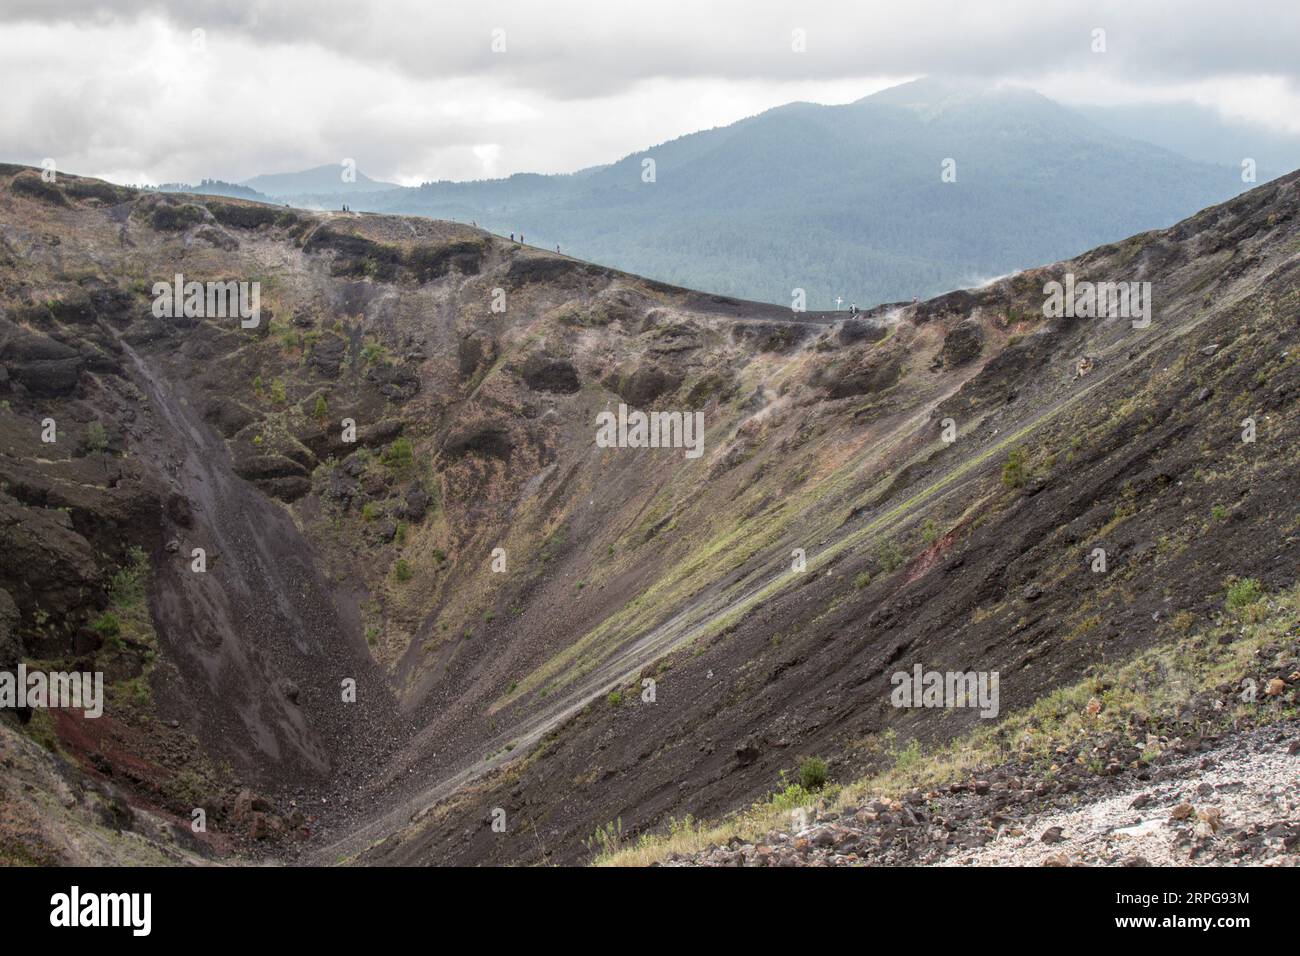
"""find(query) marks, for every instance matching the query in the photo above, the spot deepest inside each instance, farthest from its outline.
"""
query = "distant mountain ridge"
(846, 203)
(215, 187)
(318, 181)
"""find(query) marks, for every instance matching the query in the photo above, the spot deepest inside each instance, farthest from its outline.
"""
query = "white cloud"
(413, 90)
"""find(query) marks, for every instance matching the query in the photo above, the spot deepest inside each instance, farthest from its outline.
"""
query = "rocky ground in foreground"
(1218, 783)
(1238, 803)
(1219, 802)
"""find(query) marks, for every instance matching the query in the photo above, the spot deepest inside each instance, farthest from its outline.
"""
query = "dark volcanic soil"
(261, 642)
(500, 588)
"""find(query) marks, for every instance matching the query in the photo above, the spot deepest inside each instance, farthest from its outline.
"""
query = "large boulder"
(644, 384)
(228, 416)
(416, 505)
(326, 355)
(44, 563)
(39, 363)
(476, 349)
(872, 372)
(546, 373)
(963, 344)
(487, 439)
(395, 382)
(75, 308)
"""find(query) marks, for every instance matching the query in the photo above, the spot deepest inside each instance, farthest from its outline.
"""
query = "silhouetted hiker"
(521, 239)
(557, 247)
(853, 308)
(512, 237)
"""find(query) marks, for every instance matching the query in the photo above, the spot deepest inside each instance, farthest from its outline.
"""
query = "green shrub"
(615, 698)
(108, 625)
(320, 411)
(1243, 592)
(812, 774)
(908, 757)
(175, 218)
(889, 555)
(399, 455)
(929, 533)
(607, 840)
(96, 437)
(401, 570)
(791, 796)
(127, 587)
(1013, 471)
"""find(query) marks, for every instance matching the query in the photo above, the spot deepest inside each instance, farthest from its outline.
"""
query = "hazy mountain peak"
(319, 180)
(934, 96)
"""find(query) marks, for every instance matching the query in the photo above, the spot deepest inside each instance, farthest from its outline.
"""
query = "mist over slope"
(926, 484)
(1200, 133)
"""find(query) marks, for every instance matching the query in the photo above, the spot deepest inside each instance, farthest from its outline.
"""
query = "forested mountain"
(843, 201)
(848, 200)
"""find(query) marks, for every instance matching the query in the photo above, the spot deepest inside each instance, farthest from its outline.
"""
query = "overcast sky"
(414, 90)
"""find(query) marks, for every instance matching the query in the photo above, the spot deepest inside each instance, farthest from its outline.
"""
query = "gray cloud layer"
(415, 90)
